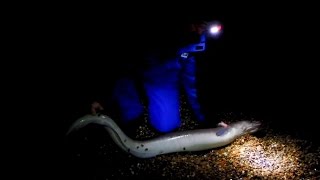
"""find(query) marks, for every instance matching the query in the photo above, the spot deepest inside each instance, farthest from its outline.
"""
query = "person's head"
(192, 31)
(193, 39)
(198, 27)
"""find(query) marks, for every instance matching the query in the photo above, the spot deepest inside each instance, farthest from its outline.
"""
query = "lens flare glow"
(215, 29)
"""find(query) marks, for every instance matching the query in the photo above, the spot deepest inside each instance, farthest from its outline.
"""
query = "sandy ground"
(268, 154)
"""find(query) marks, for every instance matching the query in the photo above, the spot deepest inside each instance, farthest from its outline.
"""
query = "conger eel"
(191, 140)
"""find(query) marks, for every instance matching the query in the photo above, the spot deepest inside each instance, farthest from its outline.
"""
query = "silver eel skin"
(183, 141)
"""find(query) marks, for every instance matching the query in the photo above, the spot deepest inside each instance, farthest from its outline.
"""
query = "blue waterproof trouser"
(162, 85)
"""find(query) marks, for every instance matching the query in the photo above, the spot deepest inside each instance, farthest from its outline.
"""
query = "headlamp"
(213, 30)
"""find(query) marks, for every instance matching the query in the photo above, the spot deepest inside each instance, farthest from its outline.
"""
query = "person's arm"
(96, 107)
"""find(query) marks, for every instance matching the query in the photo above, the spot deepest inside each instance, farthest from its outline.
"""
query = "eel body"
(191, 140)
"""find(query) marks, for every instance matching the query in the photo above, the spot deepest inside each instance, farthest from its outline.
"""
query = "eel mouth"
(254, 127)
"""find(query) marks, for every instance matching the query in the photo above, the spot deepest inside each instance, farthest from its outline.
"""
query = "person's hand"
(95, 107)
(222, 124)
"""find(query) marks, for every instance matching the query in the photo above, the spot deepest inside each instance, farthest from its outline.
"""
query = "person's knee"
(166, 122)
(166, 128)
(131, 114)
